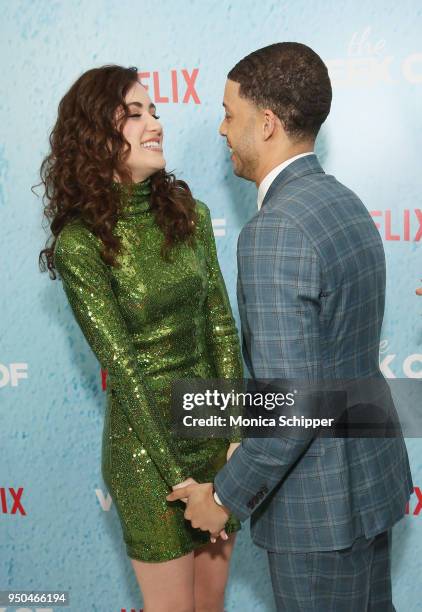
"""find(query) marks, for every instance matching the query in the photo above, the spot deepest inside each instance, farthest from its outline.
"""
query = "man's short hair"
(290, 79)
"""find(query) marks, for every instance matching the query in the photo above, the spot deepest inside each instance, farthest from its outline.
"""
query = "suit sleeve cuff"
(227, 503)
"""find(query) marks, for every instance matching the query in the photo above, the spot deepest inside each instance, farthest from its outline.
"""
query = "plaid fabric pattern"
(311, 291)
(355, 579)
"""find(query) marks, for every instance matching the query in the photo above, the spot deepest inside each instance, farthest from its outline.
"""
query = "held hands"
(201, 509)
(193, 500)
(185, 483)
(231, 449)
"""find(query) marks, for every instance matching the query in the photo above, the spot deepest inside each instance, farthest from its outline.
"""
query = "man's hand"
(231, 449)
(419, 291)
(201, 509)
(185, 483)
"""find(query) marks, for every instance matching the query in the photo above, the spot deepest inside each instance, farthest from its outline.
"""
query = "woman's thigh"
(167, 586)
(212, 564)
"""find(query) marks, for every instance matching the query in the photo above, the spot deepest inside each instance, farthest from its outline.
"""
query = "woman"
(138, 263)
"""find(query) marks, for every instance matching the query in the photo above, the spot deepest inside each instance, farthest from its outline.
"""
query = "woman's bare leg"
(167, 586)
(211, 574)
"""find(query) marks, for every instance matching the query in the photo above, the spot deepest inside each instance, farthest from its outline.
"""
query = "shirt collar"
(265, 184)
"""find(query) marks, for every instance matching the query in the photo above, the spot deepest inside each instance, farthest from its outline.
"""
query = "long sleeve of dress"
(86, 282)
(222, 333)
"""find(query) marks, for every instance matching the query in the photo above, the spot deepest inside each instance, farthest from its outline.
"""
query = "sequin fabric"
(148, 323)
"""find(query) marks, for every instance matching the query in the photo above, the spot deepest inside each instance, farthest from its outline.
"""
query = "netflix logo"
(403, 225)
(414, 506)
(10, 501)
(178, 86)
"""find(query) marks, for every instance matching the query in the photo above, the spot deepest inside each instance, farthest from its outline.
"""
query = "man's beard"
(248, 159)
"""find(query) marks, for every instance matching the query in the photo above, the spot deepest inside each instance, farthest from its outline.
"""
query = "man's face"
(239, 127)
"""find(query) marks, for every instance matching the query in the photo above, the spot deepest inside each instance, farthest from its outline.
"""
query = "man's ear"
(269, 124)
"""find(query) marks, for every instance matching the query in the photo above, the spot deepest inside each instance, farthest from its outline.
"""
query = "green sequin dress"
(148, 323)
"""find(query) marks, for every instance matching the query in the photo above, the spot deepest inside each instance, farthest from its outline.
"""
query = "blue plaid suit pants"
(354, 579)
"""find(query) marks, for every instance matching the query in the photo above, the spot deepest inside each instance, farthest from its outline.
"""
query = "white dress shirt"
(265, 184)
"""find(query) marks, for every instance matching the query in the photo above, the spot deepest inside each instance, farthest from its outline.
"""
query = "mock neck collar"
(134, 197)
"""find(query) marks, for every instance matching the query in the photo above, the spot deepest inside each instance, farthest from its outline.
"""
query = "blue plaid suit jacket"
(311, 291)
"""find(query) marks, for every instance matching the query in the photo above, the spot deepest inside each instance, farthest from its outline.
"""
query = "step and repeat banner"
(58, 527)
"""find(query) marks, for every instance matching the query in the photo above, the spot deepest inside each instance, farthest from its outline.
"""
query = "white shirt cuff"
(217, 499)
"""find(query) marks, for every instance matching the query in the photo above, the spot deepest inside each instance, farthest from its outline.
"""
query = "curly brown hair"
(87, 149)
(290, 79)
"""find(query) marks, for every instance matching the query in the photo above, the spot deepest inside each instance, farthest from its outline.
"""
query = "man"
(311, 290)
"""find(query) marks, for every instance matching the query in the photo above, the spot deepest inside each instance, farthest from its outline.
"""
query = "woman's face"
(144, 133)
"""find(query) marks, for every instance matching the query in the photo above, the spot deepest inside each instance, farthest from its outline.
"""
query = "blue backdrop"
(59, 529)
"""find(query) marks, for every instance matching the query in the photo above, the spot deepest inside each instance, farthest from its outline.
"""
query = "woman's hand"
(231, 449)
(185, 483)
(223, 535)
